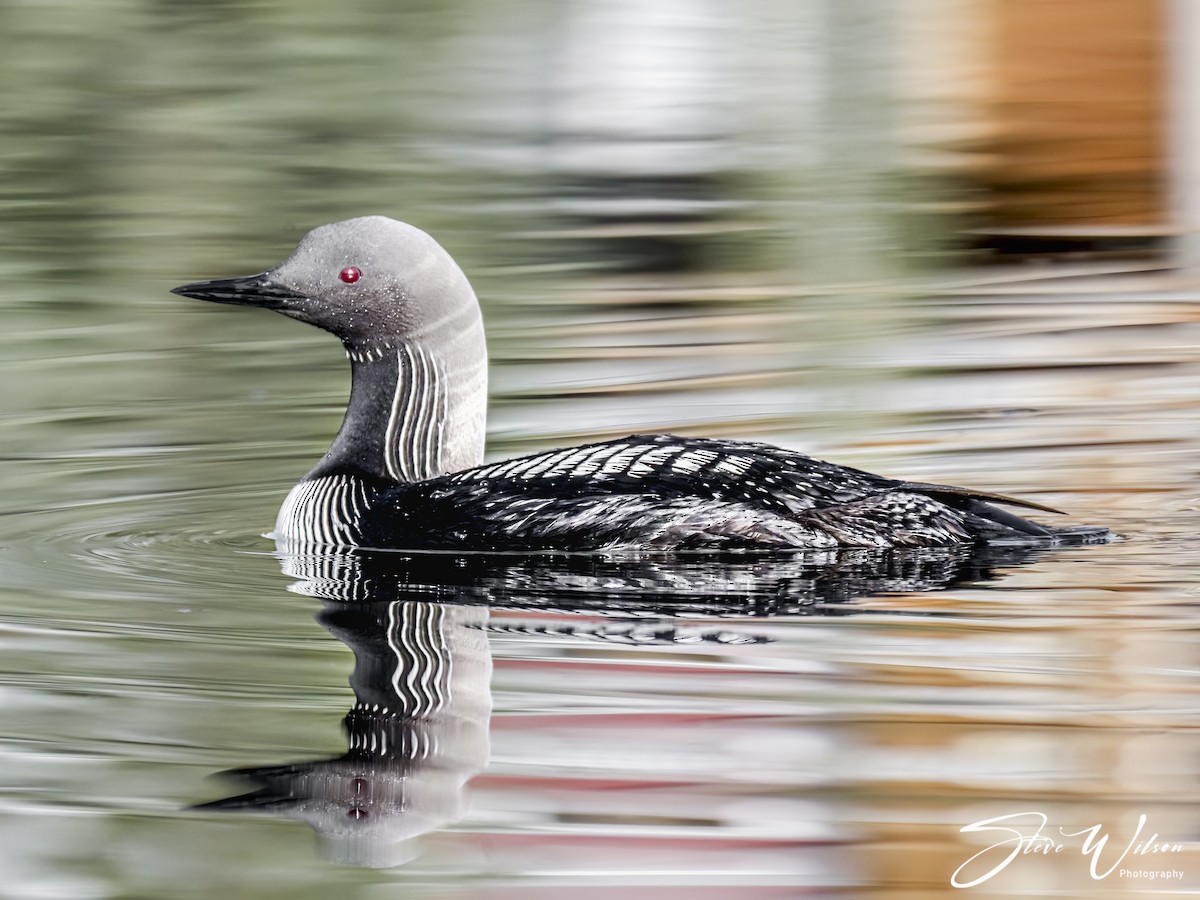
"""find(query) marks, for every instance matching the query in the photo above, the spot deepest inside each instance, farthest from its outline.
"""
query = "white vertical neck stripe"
(415, 434)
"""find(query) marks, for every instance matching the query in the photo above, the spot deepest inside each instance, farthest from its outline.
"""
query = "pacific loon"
(406, 468)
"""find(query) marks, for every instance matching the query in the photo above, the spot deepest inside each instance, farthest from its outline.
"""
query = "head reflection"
(418, 731)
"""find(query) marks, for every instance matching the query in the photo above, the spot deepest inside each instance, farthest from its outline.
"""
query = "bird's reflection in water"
(417, 624)
(418, 731)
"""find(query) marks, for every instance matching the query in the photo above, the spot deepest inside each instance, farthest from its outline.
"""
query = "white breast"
(323, 512)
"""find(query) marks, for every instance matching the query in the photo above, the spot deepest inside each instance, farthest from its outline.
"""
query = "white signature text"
(1026, 834)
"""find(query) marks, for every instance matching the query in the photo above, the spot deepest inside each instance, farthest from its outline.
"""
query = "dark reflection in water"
(418, 730)
(665, 585)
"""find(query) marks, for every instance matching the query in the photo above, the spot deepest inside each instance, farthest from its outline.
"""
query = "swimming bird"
(406, 468)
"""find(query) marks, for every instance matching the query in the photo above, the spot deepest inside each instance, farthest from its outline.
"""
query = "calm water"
(586, 727)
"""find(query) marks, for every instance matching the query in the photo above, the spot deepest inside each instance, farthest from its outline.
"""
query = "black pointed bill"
(248, 290)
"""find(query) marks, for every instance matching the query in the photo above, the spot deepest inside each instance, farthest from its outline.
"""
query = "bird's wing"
(669, 467)
(678, 493)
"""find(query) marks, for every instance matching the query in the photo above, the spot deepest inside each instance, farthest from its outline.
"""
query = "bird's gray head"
(370, 281)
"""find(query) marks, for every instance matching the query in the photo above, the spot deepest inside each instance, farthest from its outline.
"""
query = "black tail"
(999, 526)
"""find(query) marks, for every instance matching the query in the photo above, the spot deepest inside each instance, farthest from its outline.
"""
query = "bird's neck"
(416, 410)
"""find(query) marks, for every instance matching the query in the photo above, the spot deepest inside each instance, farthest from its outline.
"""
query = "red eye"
(350, 274)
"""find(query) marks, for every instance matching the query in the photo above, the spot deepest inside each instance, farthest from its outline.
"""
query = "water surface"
(644, 727)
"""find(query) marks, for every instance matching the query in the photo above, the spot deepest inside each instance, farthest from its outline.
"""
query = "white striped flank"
(415, 435)
(322, 512)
